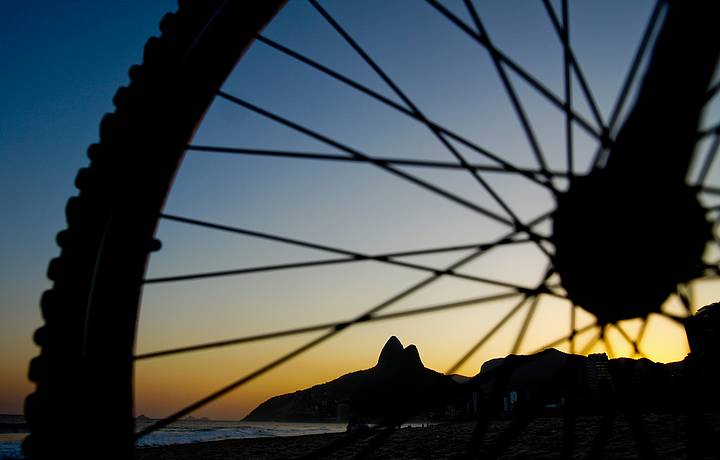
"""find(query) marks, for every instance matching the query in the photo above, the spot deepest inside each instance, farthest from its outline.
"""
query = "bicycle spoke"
(532, 294)
(340, 327)
(235, 341)
(568, 89)
(355, 153)
(379, 97)
(684, 296)
(593, 341)
(509, 89)
(333, 325)
(602, 152)
(710, 190)
(559, 341)
(679, 320)
(632, 72)
(334, 74)
(542, 287)
(714, 129)
(533, 355)
(633, 343)
(712, 92)
(484, 247)
(322, 247)
(512, 65)
(573, 331)
(520, 113)
(528, 172)
(436, 308)
(352, 257)
(525, 325)
(549, 291)
(606, 342)
(325, 262)
(248, 271)
(487, 336)
(564, 35)
(414, 108)
(635, 66)
(232, 386)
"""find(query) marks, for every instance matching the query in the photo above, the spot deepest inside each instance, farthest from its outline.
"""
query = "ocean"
(12, 432)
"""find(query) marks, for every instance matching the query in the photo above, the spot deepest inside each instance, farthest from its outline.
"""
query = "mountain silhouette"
(395, 358)
(398, 387)
(588, 384)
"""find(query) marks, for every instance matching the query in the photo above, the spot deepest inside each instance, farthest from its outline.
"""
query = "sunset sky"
(65, 62)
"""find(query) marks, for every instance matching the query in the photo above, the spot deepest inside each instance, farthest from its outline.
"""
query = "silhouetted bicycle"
(611, 214)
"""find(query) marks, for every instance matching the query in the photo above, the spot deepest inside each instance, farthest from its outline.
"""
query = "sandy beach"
(541, 439)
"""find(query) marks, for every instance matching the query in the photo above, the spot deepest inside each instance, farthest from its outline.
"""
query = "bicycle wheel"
(91, 311)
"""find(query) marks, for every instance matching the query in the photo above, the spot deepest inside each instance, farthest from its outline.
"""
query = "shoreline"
(542, 438)
(401, 443)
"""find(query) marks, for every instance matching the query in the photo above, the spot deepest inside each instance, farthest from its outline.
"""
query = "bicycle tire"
(84, 370)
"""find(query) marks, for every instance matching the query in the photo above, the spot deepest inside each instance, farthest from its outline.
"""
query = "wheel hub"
(622, 250)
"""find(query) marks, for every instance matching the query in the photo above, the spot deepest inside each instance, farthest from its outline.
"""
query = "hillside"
(398, 386)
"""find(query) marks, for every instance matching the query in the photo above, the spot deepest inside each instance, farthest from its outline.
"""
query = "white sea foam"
(189, 431)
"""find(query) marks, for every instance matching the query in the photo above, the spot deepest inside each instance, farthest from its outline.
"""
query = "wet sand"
(541, 439)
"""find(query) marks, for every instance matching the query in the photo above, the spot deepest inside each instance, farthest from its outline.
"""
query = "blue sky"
(63, 62)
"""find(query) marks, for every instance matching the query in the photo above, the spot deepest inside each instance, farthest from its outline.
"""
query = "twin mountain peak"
(394, 356)
(397, 385)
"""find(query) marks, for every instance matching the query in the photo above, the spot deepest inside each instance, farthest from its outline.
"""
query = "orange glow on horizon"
(166, 384)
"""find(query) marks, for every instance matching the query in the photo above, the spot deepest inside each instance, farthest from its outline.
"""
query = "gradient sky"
(65, 62)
